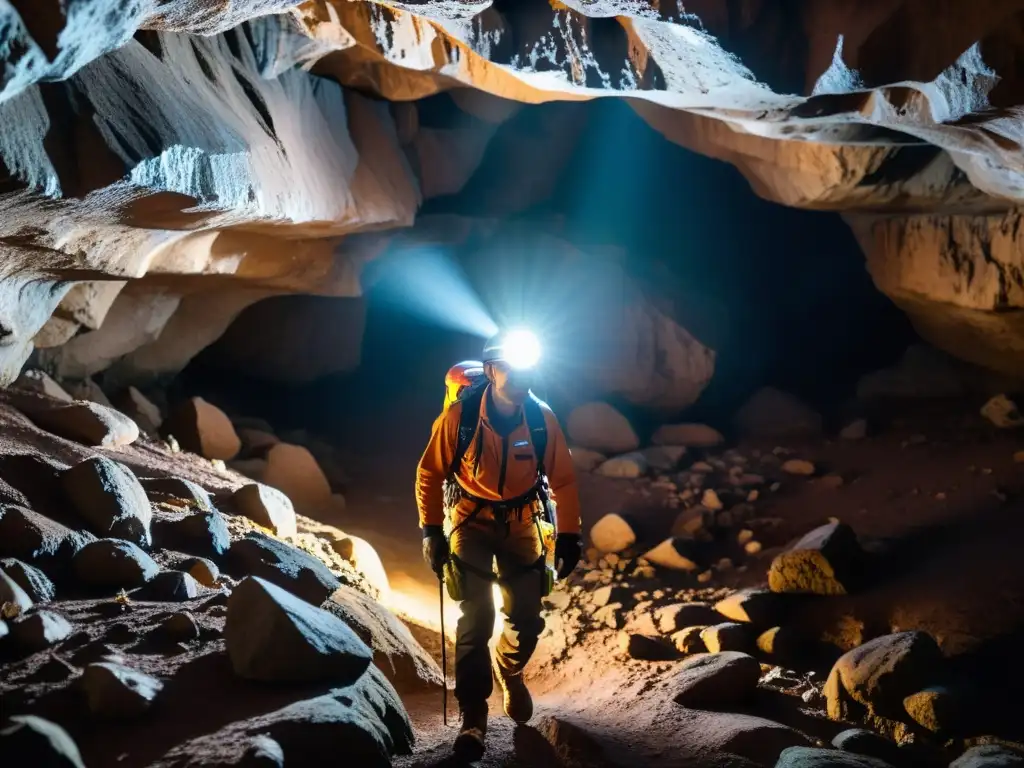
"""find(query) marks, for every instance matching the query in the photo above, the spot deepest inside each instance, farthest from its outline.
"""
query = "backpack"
(471, 399)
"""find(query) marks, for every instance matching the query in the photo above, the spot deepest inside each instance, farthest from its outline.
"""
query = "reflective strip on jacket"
(506, 468)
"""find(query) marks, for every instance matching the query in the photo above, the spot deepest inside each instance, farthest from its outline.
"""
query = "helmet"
(460, 376)
(519, 348)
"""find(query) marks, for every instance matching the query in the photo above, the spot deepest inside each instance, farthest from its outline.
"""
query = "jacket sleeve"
(434, 466)
(562, 477)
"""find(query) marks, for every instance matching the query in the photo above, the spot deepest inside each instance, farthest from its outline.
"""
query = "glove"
(568, 548)
(435, 548)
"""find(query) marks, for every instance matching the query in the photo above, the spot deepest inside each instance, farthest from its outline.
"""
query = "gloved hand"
(568, 548)
(435, 548)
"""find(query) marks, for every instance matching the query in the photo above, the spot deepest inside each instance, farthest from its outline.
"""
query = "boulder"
(754, 738)
(202, 570)
(396, 653)
(39, 743)
(117, 692)
(922, 372)
(880, 674)
(292, 470)
(937, 708)
(367, 562)
(586, 460)
(772, 413)
(180, 628)
(254, 469)
(629, 466)
(365, 720)
(34, 380)
(113, 564)
(87, 389)
(170, 586)
(204, 429)
(266, 506)
(36, 539)
(759, 607)
(989, 756)
(688, 640)
(573, 746)
(646, 647)
(13, 600)
(176, 492)
(37, 585)
(82, 421)
(689, 521)
(674, 554)
(826, 561)
(599, 427)
(868, 743)
(612, 533)
(199, 533)
(40, 629)
(812, 757)
(688, 435)
(274, 636)
(726, 637)
(108, 496)
(663, 458)
(781, 643)
(284, 565)
(672, 618)
(715, 680)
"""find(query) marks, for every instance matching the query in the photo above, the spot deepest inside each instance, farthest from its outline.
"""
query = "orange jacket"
(485, 479)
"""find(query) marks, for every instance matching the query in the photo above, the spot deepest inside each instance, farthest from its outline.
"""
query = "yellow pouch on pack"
(453, 580)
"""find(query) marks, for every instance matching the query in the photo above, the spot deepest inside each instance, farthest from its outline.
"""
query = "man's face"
(512, 384)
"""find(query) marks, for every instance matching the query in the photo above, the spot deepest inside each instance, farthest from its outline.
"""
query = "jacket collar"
(484, 409)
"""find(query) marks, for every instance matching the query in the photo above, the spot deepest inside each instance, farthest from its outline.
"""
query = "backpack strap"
(469, 420)
(538, 430)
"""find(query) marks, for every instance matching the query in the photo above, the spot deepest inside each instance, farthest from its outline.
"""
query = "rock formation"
(178, 163)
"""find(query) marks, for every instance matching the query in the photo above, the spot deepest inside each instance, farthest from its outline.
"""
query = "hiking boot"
(469, 744)
(517, 699)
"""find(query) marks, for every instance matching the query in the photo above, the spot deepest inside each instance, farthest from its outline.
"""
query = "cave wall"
(210, 155)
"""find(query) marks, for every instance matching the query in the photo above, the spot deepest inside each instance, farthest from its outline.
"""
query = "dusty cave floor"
(934, 490)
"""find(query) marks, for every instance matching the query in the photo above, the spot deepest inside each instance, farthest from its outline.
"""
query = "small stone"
(752, 547)
(663, 458)
(586, 460)
(1018, 457)
(82, 421)
(612, 533)
(855, 430)
(702, 467)
(724, 564)
(715, 680)
(774, 487)
(203, 429)
(705, 576)
(760, 607)
(798, 467)
(202, 570)
(37, 585)
(118, 692)
(39, 743)
(773, 413)
(689, 522)
(626, 466)
(831, 481)
(744, 536)
(272, 635)
(170, 585)
(40, 629)
(645, 647)
(673, 555)
(34, 380)
(753, 496)
(108, 496)
(201, 533)
(688, 640)
(1002, 412)
(266, 506)
(726, 637)
(711, 501)
(780, 643)
(600, 427)
(112, 563)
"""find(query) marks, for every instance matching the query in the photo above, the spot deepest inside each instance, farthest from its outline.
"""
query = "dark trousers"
(480, 544)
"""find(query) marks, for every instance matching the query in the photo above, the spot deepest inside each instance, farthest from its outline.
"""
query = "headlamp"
(522, 349)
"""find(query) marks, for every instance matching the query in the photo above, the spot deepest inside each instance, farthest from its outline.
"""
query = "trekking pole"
(444, 661)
